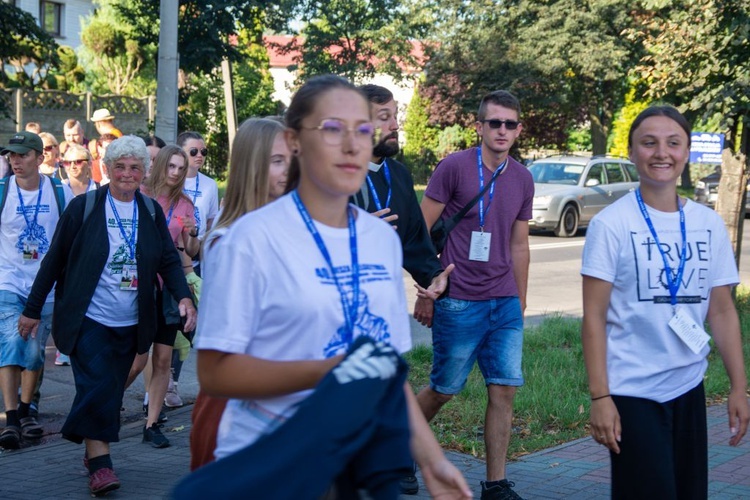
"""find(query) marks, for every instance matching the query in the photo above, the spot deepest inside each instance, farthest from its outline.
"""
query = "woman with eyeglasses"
(77, 163)
(271, 354)
(51, 164)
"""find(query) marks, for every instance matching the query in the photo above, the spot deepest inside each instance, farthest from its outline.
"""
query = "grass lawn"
(553, 406)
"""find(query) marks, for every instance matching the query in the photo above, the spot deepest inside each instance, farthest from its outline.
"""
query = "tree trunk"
(685, 181)
(598, 134)
(732, 193)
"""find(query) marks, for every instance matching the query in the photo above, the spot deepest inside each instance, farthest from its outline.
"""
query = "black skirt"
(101, 361)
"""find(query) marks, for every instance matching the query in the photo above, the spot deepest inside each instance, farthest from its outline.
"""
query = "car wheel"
(568, 225)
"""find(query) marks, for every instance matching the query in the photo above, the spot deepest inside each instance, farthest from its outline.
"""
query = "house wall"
(72, 13)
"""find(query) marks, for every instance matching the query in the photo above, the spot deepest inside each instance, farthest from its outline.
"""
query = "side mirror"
(591, 183)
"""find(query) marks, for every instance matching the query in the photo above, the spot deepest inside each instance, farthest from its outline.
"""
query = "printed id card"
(31, 250)
(690, 332)
(480, 246)
(129, 280)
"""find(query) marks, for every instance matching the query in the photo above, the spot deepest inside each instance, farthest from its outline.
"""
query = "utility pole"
(226, 71)
(166, 87)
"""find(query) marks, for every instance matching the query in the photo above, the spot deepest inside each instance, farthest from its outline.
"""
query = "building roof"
(284, 59)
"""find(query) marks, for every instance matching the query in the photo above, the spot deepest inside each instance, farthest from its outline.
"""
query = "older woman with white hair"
(107, 250)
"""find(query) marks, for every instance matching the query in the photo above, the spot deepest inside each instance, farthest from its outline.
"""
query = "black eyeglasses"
(195, 151)
(50, 148)
(509, 124)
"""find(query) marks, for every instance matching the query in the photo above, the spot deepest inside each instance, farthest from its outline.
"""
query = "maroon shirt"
(455, 183)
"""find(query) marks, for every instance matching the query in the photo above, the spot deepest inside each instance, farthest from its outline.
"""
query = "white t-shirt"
(22, 248)
(645, 358)
(115, 300)
(204, 193)
(269, 294)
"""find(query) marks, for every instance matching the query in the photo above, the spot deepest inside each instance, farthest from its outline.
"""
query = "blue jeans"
(14, 350)
(487, 331)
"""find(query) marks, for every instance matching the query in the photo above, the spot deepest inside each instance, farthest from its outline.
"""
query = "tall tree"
(579, 44)
(207, 27)
(358, 38)
(565, 59)
(698, 57)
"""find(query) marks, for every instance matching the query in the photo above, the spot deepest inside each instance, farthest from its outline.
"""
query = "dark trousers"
(664, 448)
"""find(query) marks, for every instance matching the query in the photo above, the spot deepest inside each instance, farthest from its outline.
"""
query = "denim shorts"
(487, 331)
(14, 350)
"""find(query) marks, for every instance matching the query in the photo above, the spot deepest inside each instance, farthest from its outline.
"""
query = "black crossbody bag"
(443, 227)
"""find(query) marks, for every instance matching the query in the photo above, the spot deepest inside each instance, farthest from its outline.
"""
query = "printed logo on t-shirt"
(652, 278)
(121, 263)
(365, 322)
(33, 241)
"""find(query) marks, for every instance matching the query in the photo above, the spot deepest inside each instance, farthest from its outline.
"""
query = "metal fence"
(51, 108)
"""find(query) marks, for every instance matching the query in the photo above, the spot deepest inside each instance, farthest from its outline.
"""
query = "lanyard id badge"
(31, 249)
(129, 280)
(480, 246)
(691, 333)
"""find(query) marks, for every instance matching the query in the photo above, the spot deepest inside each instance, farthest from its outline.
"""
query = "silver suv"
(570, 190)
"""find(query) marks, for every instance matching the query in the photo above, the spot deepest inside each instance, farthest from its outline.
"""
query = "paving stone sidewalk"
(579, 469)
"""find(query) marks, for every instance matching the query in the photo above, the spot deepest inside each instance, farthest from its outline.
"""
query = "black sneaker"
(162, 416)
(502, 490)
(408, 485)
(154, 436)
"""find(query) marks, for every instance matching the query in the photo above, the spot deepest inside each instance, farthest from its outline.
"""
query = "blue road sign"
(706, 147)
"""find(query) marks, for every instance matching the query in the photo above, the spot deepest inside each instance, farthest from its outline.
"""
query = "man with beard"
(388, 192)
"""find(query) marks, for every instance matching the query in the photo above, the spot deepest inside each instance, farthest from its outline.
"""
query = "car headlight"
(542, 200)
(700, 185)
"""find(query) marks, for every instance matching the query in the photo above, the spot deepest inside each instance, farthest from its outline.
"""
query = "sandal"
(30, 428)
(10, 438)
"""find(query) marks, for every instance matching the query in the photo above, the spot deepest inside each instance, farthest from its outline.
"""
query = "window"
(596, 173)
(50, 17)
(632, 172)
(614, 173)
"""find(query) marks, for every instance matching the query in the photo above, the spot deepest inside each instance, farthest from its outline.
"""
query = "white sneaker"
(172, 398)
(62, 359)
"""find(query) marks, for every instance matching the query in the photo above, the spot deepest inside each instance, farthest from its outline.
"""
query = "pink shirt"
(182, 210)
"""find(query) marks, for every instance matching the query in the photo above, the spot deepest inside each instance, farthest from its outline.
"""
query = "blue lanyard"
(350, 310)
(481, 185)
(169, 215)
(375, 196)
(129, 240)
(672, 281)
(33, 223)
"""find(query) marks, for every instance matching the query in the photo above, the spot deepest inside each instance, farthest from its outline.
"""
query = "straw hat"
(101, 115)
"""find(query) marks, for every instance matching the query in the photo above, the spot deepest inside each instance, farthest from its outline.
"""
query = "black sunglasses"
(509, 124)
(194, 151)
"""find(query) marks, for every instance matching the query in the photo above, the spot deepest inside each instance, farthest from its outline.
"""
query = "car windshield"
(556, 173)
